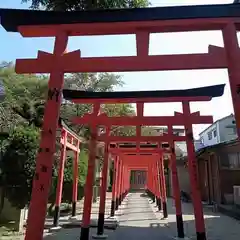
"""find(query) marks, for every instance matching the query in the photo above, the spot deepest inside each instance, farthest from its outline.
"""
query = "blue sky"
(13, 46)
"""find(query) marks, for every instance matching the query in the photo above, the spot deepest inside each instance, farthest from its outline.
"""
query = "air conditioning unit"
(236, 195)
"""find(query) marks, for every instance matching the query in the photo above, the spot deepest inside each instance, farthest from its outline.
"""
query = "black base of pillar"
(84, 233)
(120, 199)
(113, 207)
(201, 236)
(74, 209)
(159, 204)
(117, 203)
(180, 228)
(100, 228)
(165, 214)
(56, 216)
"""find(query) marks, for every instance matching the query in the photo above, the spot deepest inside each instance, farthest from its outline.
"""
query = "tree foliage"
(21, 116)
(24, 101)
(18, 165)
(26, 94)
(73, 5)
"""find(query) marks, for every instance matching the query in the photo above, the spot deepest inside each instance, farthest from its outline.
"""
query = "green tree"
(18, 165)
(25, 97)
(71, 5)
(26, 94)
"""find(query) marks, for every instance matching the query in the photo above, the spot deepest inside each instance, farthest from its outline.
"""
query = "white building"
(222, 130)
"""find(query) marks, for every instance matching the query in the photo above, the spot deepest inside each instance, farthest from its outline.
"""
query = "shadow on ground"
(139, 222)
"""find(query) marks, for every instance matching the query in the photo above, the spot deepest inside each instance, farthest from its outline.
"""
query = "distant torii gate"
(68, 140)
(141, 158)
(127, 153)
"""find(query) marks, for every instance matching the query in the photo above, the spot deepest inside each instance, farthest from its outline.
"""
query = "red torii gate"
(186, 118)
(68, 140)
(129, 153)
(141, 22)
(142, 159)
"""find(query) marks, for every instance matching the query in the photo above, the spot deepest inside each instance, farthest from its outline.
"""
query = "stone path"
(139, 219)
(218, 226)
(64, 220)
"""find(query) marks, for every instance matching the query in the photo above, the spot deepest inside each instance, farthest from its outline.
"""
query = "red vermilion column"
(88, 189)
(44, 161)
(60, 181)
(163, 189)
(123, 182)
(75, 183)
(156, 183)
(233, 57)
(196, 197)
(160, 182)
(118, 182)
(128, 180)
(103, 190)
(113, 203)
(176, 193)
(122, 188)
(150, 179)
(153, 182)
(158, 187)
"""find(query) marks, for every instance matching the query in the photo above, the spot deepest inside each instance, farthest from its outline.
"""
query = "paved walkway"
(64, 220)
(140, 222)
(139, 219)
(218, 226)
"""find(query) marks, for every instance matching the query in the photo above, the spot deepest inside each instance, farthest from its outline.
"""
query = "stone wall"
(14, 215)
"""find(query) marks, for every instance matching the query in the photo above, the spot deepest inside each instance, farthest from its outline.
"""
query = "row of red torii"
(141, 23)
(141, 153)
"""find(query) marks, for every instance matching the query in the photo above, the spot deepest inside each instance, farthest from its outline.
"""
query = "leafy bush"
(18, 165)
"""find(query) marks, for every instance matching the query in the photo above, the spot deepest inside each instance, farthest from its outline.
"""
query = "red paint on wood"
(179, 25)
(42, 180)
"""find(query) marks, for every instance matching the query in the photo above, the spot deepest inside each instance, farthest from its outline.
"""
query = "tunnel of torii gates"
(140, 22)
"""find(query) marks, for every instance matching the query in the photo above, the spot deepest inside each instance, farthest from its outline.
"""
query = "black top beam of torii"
(210, 91)
(11, 19)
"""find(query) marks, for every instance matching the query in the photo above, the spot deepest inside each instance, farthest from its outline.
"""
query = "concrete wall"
(227, 129)
(183, 176)
(14, 215)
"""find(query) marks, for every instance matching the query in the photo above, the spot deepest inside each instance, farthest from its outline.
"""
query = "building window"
(202, 140)
(214, 133)
(234, 160)
(210, 135)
